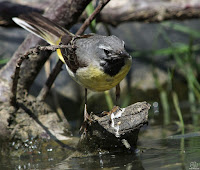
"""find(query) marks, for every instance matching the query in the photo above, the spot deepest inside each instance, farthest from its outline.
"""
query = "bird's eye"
(106, 51)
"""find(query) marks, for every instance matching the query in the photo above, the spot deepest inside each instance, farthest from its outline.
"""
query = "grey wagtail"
(96, 62)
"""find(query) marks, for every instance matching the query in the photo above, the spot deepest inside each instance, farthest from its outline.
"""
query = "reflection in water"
(163, 154)
(182, 152)
(173, 153)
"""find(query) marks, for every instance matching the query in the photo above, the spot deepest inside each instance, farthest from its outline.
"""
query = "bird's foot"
(114, 109)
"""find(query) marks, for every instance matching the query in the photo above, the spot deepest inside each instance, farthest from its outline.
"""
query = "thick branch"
(8, 10)
(149, 11)
(127, 10)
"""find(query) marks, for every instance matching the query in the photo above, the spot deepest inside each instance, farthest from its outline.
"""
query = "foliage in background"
(3, 60)
(89, 11)
(185, 59)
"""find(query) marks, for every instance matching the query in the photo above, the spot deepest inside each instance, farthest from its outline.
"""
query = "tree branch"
(8, 10)
(87, 22)
(15, 77)
(127, 10)
(149, 11)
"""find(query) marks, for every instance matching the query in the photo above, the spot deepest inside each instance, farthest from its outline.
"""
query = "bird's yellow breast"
(95, 79)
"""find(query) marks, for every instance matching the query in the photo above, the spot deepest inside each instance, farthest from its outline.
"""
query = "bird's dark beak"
(124, 54)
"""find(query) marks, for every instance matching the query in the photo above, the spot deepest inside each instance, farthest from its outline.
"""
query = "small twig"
(87, 22)
(52, 47)
(57, 68)
(59, 110)
(15, 76)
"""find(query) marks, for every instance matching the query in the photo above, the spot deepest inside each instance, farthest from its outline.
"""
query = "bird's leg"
(85, 96)
(117, 94)
(116, 107)
(86, 115)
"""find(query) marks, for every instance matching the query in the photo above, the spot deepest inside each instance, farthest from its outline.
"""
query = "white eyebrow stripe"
(105, 47)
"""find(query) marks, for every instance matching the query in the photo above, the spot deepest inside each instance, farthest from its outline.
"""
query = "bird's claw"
(113, 110)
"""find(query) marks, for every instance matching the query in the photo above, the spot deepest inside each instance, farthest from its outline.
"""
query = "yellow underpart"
(59, 51)
(52, 41)
(95, 79)
(60, 55)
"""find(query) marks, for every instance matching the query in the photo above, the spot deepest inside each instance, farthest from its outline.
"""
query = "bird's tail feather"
(41, 27)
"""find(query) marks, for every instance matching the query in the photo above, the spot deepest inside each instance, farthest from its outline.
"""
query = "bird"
(96, 62)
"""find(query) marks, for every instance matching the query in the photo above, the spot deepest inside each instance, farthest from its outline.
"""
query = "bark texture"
(149, 11)
(118, 130)
(123, 11)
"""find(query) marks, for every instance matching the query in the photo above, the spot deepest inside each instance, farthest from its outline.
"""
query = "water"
(173, 152)
(162, 154)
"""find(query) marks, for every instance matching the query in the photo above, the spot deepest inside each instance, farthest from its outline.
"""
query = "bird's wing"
(73, 61)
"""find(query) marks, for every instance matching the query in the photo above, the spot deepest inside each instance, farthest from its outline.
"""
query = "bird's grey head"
(112, 54)
(108, 52)
(112, 48)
